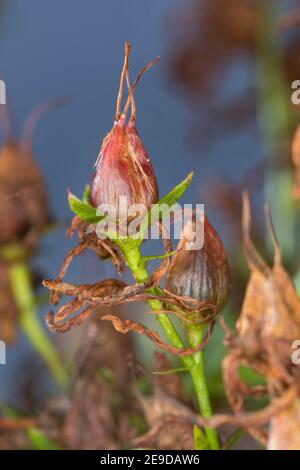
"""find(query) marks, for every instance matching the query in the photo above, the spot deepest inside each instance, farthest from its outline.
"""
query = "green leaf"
(131, 246)
(200, 439)
(86, 212)
(83, 209)
(87, 193)
(176, 193)
(164, 204)
(40, 441)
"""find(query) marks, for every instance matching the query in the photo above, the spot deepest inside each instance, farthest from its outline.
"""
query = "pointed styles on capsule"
(123, 168)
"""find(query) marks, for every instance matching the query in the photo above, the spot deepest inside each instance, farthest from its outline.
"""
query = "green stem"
(195, 335)
(21, 284)
(193, 363)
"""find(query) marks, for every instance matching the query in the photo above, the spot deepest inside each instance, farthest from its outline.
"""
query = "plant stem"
(195, 335)
(21, 284)
(193, 363)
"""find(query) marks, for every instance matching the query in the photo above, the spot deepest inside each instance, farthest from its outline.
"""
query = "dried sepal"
(256, 419)
(125, 326)
(89, 240)
(112, 293)
(237, 390)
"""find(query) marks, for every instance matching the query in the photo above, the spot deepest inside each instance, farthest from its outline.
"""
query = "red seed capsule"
(123, 168)
(202, 274)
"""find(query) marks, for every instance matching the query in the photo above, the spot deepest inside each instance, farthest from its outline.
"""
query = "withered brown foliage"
(168, 381)
(95, 413)
(285, 428)
(170, 422)
(268, 325)
(99, 412)
(111, 292)
(168, 410)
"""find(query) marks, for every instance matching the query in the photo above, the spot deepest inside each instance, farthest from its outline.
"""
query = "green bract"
(88, 213)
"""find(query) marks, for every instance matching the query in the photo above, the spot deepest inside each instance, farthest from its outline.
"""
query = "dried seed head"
(24, 210)
(202, 274)
(123, 168)
(23, 198)
(270, 316)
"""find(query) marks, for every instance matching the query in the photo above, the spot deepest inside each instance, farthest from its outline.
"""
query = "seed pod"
(24, 210)
(270, 316)
(202, 274)
(23, 198)
(123, 168)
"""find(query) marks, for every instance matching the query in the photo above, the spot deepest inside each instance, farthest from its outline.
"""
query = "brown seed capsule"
(24, 209)
(123, 168)
(202, 274)
(23, 199)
